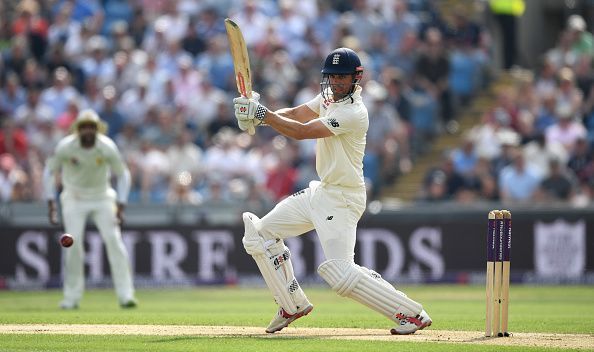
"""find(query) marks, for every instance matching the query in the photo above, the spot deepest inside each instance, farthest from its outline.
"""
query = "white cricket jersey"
(339, 158)
(86, 171)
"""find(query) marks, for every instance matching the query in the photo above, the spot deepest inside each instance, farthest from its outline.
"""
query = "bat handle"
(251, 129)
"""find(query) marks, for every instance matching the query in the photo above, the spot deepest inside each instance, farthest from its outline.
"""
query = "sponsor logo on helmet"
(336, 59)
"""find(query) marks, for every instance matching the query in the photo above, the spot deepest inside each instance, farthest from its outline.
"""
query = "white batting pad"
(273, 260)
(367, 287)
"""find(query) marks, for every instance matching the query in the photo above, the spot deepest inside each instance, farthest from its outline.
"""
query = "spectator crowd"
(536, 144)
(159, 73)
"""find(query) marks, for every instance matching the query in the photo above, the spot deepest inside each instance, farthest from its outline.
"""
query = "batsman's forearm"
(286, 113)
(283, 125)
(301, 113)
(291, 114)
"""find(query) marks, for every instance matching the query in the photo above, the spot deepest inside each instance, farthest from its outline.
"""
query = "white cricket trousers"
(332, 211)
(102, 211)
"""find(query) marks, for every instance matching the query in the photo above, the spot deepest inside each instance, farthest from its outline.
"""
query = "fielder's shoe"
(129, 304)
(282, 319)
(68, 305)
(408, 325)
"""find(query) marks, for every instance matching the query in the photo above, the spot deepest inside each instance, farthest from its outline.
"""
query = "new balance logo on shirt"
(333, 122)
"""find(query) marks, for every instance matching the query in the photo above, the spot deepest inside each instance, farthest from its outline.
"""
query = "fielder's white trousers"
(102, 212)
(332, 211)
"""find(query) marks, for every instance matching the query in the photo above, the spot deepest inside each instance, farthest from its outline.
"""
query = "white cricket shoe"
(282, 319)
(409, 325)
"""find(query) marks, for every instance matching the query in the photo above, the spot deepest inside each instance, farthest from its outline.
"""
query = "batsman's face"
(87, 133)
(340, 85)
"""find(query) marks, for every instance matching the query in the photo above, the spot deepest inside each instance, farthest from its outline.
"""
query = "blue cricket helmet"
(341, 61)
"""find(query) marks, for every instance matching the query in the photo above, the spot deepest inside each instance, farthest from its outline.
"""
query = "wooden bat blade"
(241, 60)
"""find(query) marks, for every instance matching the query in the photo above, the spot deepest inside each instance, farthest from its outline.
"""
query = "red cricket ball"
(66, 240)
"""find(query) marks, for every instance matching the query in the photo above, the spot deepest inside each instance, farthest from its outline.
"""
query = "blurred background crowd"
(535, 145)
(159, 73)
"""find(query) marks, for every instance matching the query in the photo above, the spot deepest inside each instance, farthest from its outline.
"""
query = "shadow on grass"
(263, 337)
(177, 339)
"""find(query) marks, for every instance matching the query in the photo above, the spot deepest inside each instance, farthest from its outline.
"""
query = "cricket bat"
(241, 62)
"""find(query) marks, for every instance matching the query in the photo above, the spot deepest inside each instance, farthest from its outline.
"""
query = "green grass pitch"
(538, 309)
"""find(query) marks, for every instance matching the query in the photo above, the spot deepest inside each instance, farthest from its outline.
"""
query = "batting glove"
(249, 109)
(255, 95)
(245, 125)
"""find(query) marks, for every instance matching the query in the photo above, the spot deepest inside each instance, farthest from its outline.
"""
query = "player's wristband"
(260, 112)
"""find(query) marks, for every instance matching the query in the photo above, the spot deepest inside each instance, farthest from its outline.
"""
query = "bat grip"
(251, 129)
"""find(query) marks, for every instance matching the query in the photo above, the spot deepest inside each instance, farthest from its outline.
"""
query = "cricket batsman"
(86, 159)
(338, 120)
